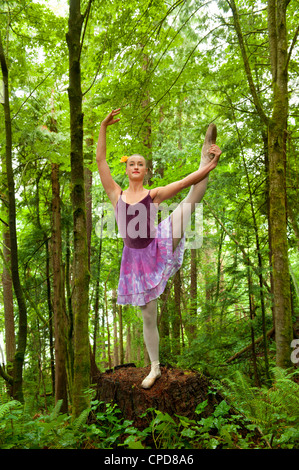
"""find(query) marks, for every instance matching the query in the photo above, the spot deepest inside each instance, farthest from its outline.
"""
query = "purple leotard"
(148, 260)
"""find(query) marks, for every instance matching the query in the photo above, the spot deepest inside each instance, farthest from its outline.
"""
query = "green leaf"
(201, 407)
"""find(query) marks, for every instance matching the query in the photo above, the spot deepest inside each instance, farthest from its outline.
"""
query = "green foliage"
(248, 418)
(195, 76)
(274, 410)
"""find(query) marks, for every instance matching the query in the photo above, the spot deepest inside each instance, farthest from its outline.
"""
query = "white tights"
(150, 329)
(181, 215)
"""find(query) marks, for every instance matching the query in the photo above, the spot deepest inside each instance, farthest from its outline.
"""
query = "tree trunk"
(69, 310)
(107, 324)
(147, 130)
(176, 320)
(10, 340)
(97, 294)
(58, 295)
(115, 339)
(277, 181)
(50, 315)
(129, 344)
(80, 296)
(276, 129)
(252, 309)
(164, 329)
(22, 317)
(191, 328)
(88, 195)
(121, 336)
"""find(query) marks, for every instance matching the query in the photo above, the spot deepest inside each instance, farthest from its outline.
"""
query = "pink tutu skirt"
(144, 272)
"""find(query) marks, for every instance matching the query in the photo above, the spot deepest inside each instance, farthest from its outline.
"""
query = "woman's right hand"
(110, 118)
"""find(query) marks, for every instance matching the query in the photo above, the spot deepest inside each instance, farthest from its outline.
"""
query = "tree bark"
(22, 317)
(176, 316)
(80, 295)
(252, 309)
(128, 354)
(107, 323)
(121, 336)
(164, 329)
(191, 328)
(50, 315)
(115, 339)
(147, 130)
(10, 339)
(88, 195)
(58, 295)
(277, 131)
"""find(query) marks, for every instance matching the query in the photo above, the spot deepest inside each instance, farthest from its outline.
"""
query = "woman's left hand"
(216, 151)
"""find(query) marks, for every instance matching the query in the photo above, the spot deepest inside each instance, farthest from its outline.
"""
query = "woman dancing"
(151, 254)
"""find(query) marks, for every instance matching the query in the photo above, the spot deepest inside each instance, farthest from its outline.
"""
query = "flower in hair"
(124, 159)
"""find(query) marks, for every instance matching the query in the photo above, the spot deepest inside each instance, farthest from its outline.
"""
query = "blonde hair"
(137, 155)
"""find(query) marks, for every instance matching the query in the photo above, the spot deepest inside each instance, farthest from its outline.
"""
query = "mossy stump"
(176, 392)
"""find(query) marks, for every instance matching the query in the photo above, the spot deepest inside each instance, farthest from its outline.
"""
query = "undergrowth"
(261, 418)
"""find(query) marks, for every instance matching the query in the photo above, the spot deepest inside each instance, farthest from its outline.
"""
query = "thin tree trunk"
(80, 293)
(115, 339)
(69, 310)
(129, 344)
(164, 329)
(107, 323)
(22, 314)
(191, 327)
(176, 320)
(265, 142)
(97, 294)
(50, 314)
(9, 322)
(147, 130)
(58, 295)
(252, 316)
(88, 197)
(121, 335)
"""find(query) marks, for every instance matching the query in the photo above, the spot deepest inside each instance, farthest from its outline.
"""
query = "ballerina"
(151, 255)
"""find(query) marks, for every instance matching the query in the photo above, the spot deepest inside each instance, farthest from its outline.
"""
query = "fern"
(78, 422)
(285, 393)
(5, 408)
(274, 410)
(56, 410)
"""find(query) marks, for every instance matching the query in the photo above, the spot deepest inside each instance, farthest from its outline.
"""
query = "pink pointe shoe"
(154, 374)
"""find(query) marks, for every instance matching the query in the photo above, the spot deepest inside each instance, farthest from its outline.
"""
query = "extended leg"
(196, 193)
(151, 339)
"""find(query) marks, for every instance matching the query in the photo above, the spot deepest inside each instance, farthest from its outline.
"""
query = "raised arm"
(163, 193)
(110, 186)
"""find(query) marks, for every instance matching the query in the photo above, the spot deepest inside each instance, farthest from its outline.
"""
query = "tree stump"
(175, 392)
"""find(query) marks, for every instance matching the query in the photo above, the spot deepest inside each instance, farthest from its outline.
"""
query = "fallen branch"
(235, 356)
